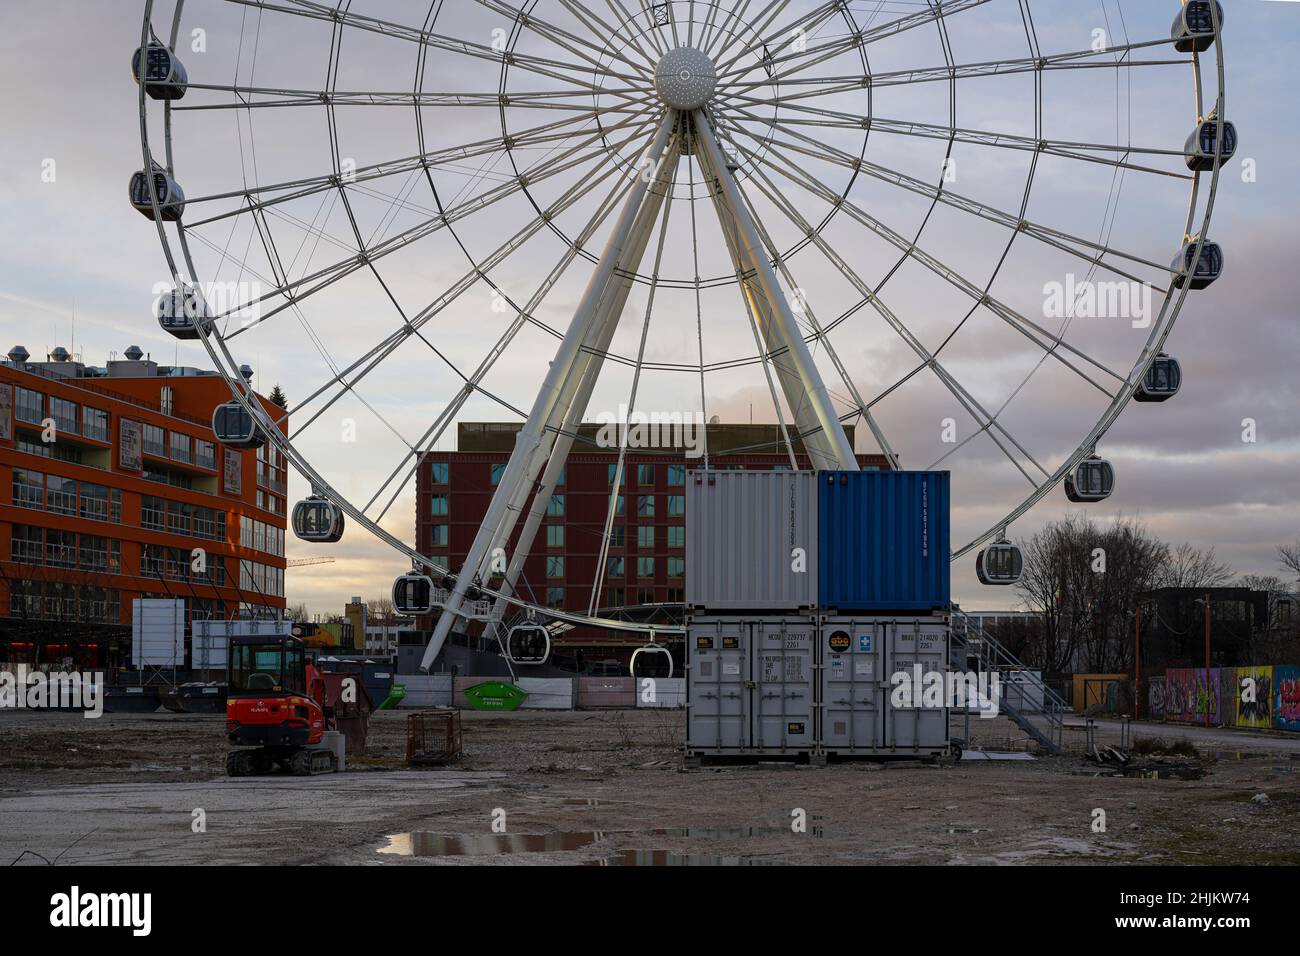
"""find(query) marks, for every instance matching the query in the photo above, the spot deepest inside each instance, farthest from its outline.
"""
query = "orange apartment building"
(110, 480)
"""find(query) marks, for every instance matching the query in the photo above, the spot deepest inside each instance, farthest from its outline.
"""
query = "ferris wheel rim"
(225, 363)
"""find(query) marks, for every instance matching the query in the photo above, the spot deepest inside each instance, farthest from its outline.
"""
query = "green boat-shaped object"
(495, 695)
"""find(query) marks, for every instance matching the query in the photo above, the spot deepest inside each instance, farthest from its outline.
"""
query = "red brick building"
(110, 478)
(646, 562)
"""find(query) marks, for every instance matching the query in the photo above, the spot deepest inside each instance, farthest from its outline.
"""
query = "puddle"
(488, 844)
(674, 858)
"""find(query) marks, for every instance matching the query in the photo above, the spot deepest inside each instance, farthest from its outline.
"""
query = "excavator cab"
(275, 702)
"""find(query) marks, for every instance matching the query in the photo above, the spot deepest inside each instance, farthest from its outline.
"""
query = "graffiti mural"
(1180, 695)
(1256, 682)
(1207, 696)
(1286, 698)
(1156, 698)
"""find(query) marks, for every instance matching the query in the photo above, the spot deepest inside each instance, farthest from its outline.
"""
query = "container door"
(783, 685)
(718, 716)
(852, 698)
(917, 649)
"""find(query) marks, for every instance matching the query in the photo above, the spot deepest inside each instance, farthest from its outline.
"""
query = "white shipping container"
(752, 541)
(157, 632)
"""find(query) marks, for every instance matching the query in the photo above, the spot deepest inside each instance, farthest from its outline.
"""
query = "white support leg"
(805, 392)
(524, 463)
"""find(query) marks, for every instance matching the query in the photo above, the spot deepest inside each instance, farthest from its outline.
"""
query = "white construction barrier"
(424, 690)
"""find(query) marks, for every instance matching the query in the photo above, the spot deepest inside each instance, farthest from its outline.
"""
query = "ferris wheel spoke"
(1092, 252)
(714, 45)
(371, 359)
(1069, 60)
(1049, 343)
(523, 315)
(808, 22)
(575, 156)
(815, 54)
(625, 19)
(557, 35)
(533, 64)
(545, 99)
(1063, 149)
(542, 134)
(599, 27)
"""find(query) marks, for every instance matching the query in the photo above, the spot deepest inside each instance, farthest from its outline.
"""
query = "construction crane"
(307, 562)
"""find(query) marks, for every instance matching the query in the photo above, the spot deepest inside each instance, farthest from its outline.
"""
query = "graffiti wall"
(1253, 690)
(1286, 698)
(1156, 698)
(1180, 695)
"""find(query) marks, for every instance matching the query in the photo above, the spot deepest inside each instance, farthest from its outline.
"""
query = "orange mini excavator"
(275, 709)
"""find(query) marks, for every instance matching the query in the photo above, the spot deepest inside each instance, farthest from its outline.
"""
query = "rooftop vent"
(134, 353)
(18, 354)
(60, 355)
(247, 372)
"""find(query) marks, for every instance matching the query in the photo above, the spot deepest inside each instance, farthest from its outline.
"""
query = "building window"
(613, 470)
(65, 415)
(555, 535)
(614, 567)
(676, 506)
(645, 596)
(620, 507)
(438, 472)
(645, 537)
(178, 518)
(94, 423)
(645, 567)
(645, 506)
(677, 537)
(676, 596)
(60, 495)
(180, 447)
(676, 567)
(645, 475)
(498, 471)
(560, 480)
(555, 598)
(439, 536)
(555, 567)
(155, 441)
(60, 548)
(618, 536)
(205, 454)
(94, 502)
(438, 505)
(153, 513)
(27, 544)
(676, 475)
(556, 506)
(31, 406)
(29, 489)
(615, 597)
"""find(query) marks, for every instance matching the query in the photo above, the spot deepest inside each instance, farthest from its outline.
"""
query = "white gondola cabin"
(1207, 268)
(1162, 381)
(528, 644)
(1093, 480)
(179, 312)
(654, 661)
(171, 198)
(1193, 29)
(318, 520)
(413, 594)
(1203, 144)
(233, 426)
(1001, 563)
(164, 75)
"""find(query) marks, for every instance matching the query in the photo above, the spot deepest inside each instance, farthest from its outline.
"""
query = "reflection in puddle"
(487, 844)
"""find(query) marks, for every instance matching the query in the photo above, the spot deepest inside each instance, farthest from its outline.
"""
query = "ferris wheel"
(898, 216)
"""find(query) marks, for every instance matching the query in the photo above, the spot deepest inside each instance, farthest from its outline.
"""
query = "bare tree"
(1191, 567)
(298, 612)
(1288, 558)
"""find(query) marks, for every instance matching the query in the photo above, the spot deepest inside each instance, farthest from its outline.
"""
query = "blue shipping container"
(883, 539)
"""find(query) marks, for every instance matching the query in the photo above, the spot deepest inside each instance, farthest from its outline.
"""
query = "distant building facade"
(110, 479)
(644, 572)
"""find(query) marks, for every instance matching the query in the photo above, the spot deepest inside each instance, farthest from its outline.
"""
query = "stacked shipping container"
(807, 593)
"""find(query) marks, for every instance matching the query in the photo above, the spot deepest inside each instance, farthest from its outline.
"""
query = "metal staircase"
(1022, 689)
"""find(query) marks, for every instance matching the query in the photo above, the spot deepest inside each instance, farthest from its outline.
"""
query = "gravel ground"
(609, 787)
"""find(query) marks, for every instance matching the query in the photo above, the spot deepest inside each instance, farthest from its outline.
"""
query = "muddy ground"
(610, 787)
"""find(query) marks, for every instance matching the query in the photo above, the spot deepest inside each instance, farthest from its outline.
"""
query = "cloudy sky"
(81, 268)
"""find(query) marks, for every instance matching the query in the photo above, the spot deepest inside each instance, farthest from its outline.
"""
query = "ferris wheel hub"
(686, 78)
